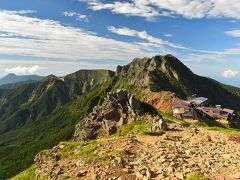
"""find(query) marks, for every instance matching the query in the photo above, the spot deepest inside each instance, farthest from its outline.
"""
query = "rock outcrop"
(117, 109)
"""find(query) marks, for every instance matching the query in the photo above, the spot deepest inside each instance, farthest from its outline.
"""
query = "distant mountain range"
(13, 78)
(38, 114)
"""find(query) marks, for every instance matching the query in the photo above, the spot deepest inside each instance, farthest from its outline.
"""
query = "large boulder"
(160, 124)
(112, 115)
(86, 132)
(110, 126)
(134, 104)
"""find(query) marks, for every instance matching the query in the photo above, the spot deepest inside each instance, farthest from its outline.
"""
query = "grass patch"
(137, 127)
(89, 155)
(86, 151)
(224, 129)
(28, 174)
(196, 176)
(68, 149)
(171, 118)
(154, 133)
(97, 157)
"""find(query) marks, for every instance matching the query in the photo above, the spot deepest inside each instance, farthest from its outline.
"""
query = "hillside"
(38, 115)
(13, 78)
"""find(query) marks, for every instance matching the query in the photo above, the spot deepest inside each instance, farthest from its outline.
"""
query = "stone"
(87, 132)
(120, 123)
(134, 104)
(81, 174)
(163, 124)
(80, 162)
(179, 175)
(117, 109)
(122, 95)
(120, 162)
(94, 177)
(112, 115)
(143, 171)
(159, 125)
(188, 152)
(62, 146)
(138, 175)
(148, 173)
(110, 126)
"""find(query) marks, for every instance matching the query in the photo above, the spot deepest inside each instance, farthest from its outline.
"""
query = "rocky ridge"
(117, 109)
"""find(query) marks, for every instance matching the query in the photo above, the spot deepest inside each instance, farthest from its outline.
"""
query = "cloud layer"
(23, 70)
(143, 35)
(78, 16)
(27, 36)
(233, 33)
(230, 73)
(185, 8)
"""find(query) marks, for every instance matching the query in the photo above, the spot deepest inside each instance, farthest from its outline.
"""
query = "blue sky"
(61, 36)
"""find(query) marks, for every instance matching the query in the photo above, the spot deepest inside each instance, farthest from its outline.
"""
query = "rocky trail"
(170, 156)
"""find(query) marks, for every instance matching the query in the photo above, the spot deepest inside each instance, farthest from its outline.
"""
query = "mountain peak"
(13, 78)
(167, 64)
(11, 75)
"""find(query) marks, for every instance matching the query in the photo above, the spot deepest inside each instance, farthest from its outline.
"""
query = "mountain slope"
(13, 78)
(36, 116)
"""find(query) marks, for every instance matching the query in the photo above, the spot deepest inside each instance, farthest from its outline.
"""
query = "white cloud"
(233, 33)
(23, 70)
(143, 35)
(230, 73)
(27, 36)
(127, 8)
(79, 17)
(186, 8)
(20, 12)
(233, 21)
(168, 35)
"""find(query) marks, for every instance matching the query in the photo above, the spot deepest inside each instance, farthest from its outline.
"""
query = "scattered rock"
(81, 174)
(94, 177)
(148, 173)
(80, 162)
(117, 109)
(160, 124)
(179, 175)
(120, 162)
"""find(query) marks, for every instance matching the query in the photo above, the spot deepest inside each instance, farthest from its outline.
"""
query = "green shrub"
(137, 127)
(154, 133)
(28, 174)
(196, 176)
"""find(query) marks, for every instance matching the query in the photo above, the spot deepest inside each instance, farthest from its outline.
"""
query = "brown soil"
(161, 100)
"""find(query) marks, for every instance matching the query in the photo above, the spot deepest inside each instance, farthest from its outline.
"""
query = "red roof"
(181, 104)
